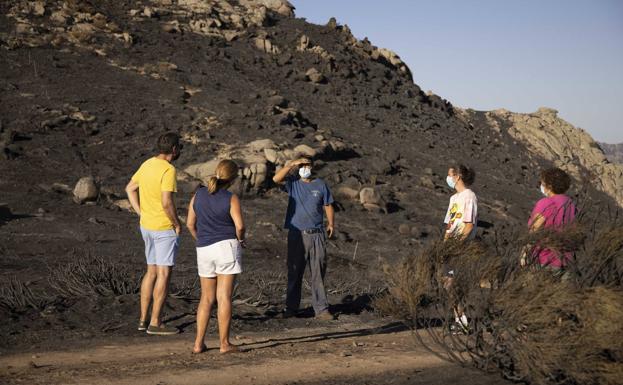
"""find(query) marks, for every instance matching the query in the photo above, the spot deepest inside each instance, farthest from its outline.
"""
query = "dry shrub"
(600, 260)
(547, 330)
(188, 289)
(16, 297)
(93, 276)
(527, 323)
(259, 289)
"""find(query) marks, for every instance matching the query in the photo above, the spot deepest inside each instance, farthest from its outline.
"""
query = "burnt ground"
(400, 140)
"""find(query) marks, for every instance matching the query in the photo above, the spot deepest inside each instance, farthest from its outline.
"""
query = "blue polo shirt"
(306, 203)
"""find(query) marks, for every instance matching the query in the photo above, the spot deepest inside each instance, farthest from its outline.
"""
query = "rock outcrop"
(548, 136)
(614, 152)
(258, 159)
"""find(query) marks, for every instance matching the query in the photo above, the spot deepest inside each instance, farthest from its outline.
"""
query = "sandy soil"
(358, 353)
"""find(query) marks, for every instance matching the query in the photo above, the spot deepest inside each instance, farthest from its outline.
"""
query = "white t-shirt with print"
(463, 208)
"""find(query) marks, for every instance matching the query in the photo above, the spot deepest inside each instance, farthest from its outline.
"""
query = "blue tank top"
(214, 223)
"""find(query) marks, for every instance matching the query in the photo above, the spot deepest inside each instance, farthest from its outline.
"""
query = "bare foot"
(229, 349)
(200, 349)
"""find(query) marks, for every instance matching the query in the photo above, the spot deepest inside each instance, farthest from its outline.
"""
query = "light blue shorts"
(160, 246)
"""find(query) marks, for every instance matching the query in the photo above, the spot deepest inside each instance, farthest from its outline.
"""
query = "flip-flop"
(234, 349)
(203, 349)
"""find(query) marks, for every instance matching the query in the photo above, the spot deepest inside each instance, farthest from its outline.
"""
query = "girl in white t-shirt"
(461, 219)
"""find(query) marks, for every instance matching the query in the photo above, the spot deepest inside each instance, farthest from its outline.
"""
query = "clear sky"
(488, 54)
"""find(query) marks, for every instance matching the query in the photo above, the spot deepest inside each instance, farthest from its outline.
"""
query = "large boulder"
(261, 145)
(256, 174)
(281, 7)
(266, 45)
(305, 150)
(203, 171)
(85, 190)
(271, 155)
(372, 199)
(123, 204)
(314, 76)
(347, 192)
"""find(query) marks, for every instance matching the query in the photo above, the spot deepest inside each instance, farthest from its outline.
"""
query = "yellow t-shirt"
(153, 177)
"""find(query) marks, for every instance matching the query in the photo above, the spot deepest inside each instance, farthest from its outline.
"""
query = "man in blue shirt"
(309, 199)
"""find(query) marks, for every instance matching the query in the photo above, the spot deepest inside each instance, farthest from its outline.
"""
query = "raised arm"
(191, 219)
(168, 204)
(235, 211)
(283, 172)
(132, 190)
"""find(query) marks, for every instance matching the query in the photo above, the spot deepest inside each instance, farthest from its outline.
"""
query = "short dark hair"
(467, 174)
(166, 142)
(556, 180)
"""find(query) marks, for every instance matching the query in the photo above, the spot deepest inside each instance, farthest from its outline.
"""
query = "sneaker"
(459, 328)
(324, 316)
(142, 326)
(162, 330)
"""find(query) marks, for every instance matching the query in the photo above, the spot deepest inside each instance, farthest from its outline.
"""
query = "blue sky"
(488, 54)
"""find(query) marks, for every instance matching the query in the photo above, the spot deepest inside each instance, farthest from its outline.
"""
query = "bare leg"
(147, 287)
(224, 288)
(457, 308)
(161, 289)
(208, 297)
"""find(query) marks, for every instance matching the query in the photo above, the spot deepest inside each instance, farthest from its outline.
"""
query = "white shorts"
(224, 257)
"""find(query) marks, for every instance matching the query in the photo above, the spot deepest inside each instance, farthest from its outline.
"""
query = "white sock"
(463, 320)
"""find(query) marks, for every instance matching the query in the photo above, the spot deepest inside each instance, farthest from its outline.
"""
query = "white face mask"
(543, 190)
(305, 172)
(450, 181)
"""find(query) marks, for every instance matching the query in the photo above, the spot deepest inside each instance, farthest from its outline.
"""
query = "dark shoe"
(288, 313)
(162, 330)
(142, 326)
(324, 316)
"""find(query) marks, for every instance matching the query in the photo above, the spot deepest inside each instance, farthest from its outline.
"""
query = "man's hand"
(178, 229)
(298, 162)
(330, 231)
(132, 190)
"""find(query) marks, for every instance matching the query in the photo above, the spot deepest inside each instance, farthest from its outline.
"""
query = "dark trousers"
(307, 249)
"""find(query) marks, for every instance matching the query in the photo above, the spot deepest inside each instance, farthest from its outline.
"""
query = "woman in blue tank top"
(215, 221)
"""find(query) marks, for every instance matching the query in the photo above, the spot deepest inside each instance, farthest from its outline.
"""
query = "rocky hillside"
(87, 86)
(614, 152)
(550, 137)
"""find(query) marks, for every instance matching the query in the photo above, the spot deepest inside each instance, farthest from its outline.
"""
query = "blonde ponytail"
(226, 172)
(212, 184)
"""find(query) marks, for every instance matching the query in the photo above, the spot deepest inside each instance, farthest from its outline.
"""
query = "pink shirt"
(558, 211)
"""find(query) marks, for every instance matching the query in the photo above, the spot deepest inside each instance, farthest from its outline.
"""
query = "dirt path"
(348, 354)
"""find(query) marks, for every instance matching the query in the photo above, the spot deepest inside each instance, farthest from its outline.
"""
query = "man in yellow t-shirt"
(151, 191)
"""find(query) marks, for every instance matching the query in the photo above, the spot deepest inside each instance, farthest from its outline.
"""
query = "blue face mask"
(450, 181)
(305, 172)
(543, 190)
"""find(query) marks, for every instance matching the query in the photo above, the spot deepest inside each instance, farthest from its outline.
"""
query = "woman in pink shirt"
(554, 212)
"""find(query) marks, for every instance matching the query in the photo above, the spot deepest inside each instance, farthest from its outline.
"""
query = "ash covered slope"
(87, 86)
